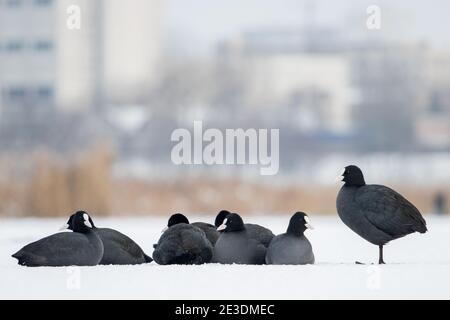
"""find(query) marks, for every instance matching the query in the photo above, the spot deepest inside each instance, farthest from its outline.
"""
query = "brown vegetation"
(53, 186)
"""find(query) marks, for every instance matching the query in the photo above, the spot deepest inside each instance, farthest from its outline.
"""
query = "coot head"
(81, 222)
(70, 223)
(352, 176)
(233, 222)
(299, 223)
(176, 219)
(220, 217)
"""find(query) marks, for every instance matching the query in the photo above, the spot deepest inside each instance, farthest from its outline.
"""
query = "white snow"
(418, 267)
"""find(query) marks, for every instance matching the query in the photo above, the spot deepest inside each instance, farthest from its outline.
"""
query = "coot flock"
(375, 212)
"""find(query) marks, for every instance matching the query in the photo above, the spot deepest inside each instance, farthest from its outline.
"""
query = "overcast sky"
(196, 25)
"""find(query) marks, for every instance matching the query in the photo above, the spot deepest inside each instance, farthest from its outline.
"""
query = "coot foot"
(380, 260)
(362, 263)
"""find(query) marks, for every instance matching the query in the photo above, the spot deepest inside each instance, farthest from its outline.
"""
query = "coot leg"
(380, 260)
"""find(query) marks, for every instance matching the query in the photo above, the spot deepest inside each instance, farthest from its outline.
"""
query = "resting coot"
(79, 248)
(235, 245)
(254, 231)
(292, 247)
(183, 243)
(119, 249)
(376, 213)
(211, 233)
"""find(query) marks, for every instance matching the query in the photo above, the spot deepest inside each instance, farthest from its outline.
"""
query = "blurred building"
(433, 125)
(388, 77)
(378, 94)
(304, 72)
(27, 54)
(111, 58)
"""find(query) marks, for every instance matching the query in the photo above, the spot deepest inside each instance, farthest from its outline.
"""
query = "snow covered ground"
(418, 267)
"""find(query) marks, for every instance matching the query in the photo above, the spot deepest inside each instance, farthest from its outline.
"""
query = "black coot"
(211, 233)
(235, 245)
(254, 231)
(82, 247)
(119, 249)
(376, 213)
(292, 247)
(183, 243)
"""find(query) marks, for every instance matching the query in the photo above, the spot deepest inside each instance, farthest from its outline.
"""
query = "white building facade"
(110, 58)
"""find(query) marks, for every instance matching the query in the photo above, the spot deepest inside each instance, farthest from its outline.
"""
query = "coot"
(183, 243)
(375, 212)
(82, 247)
(254, 231)
(235, 245)
(292, 247)
(211, 233)
(119, 249)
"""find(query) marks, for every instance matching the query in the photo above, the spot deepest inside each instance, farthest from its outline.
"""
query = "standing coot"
(235, 245)
(376, 213)
(183, 243)
(292, 247)
(119, 249)
(82, 247)
(254, 231)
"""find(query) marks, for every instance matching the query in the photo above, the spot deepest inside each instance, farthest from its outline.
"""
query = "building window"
(43, 45)
(45, 93)
(43, 3)
(13, 3)
(14, 46)
(16, 93)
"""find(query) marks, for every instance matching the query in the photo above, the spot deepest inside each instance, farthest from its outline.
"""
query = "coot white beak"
(164, 230)
(222, 227)
(87, 223)
(64, 227)
(308, 224)
(340, 177)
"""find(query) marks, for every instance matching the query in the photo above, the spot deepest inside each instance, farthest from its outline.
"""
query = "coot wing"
(197, 249)
(389, 211)
(210, 231)
(259, 233)
(64, 244)
(192, 236)
(120, 240)
(259, 252)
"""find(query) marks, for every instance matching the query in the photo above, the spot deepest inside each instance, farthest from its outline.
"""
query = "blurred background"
(86, 114)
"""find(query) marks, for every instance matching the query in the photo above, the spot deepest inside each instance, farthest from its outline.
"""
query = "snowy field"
(418, 267)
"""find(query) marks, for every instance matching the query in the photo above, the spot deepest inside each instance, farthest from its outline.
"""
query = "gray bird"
(211, 233)
(235, 245)
(376, 213)
(82, 247)
(292, 247)
(119, 249)
(183, 243)
(254, 231)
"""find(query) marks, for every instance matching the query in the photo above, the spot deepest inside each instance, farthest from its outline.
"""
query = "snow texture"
(418, 267)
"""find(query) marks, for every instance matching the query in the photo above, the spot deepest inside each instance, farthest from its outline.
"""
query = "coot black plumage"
(119, 249)
(82, 247)
(292, 247)
(183, 243)
(376, 213)
(254, 231)
(235, 245)
(211, 233)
